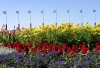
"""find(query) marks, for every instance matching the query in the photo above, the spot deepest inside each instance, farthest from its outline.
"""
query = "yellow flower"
(25, 36)
(64, 29)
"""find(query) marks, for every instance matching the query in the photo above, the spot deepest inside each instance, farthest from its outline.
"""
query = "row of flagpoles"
(54, 11)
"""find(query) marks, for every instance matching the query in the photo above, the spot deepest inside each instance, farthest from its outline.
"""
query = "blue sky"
(87, 6)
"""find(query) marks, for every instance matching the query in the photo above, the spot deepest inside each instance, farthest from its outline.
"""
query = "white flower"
(5, 50)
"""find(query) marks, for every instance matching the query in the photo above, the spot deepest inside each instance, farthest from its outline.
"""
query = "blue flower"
(39, 58)
(18, 61)
(60, 59)
(86, 57)
(90, 62)
(30, 63)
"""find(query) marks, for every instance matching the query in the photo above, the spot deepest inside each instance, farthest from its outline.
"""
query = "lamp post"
(29, 11)
(55, 11)
(43, 17)
(81, 17)
(68, 11)
(18, 19)
(5, 12)
(95, 16)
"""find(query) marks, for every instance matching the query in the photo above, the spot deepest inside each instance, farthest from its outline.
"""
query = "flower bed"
(49, 60)
(50, 46)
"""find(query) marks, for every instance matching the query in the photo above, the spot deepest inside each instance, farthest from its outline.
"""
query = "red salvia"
(46, 44)
(13, 46)
(18, 49)
(84, 50)
(59, 51)
(68, 49)
(5, 45)
(34, 50)
(75, 48)
(64, 46)
(39, 44)
(54, 47)
(44, 50)
(25, 48)
(97, 47)
(38, 49)
(29, 45)
(9, 45)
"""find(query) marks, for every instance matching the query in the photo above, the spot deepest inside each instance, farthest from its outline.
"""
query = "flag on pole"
(80, 11)
(68, 11)
(54, 11)
(29, 11)
(94, 10)
(17, 11)
(42, 11)
(4, 12)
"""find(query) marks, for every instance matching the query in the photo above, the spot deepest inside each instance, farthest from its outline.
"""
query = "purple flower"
(86, 57)
(39, 58)
(18, 61)
(30, 63)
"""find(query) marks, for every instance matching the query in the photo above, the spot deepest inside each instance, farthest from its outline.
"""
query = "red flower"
(84, 49)
(29, 45)
(71, 53)
(34, 50)
(74, 48)
(46, 44)
(59, 51)
(25, 49)
(18, 44)
(64, 46)
(5, 45)
(9, 45)
(18, 49)
(97, 47)
(38, 49)
(44, 50)
(54, 47)
(68, 49)
(82, 45)
(13, 46)
(39, 44)
(50, 47)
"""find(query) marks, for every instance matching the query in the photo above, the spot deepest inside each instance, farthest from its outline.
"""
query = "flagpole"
(82, 18)
(30, 21)
(6, 20)
(56, 17)
(18, 21)
(69, 16)
(94, 16)
(43, 18)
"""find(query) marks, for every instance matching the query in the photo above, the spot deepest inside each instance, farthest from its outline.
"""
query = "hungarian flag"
(17, 11)
(42, 11)
(4, 12)
(94, 10)
(68, 11)
(29, 11)
(80, 11)
(54, 11)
